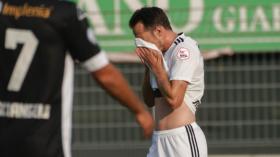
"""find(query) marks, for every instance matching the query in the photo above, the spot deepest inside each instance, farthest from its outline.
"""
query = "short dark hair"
(150, 17)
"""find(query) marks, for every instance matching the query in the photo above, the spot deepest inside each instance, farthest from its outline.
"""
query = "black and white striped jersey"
(39, 39)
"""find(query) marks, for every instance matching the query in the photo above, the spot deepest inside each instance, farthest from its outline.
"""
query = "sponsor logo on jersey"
(1, 4)
(183, 54)
(26, 11)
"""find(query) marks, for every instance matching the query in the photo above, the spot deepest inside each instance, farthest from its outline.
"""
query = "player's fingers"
(138, 53)
(147, 55)
(146, 51)
(151, 54)
(143, 56)
(149, 130)
(143, 50)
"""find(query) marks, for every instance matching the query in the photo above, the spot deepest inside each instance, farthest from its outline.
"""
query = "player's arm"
(114, 83)
(174, 90)
(84, 49)
(147, 90)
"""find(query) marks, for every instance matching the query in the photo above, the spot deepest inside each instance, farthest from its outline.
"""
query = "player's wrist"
(140, 109)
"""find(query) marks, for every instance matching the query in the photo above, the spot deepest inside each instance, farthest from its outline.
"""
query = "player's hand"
(146, 122)
(150, 57)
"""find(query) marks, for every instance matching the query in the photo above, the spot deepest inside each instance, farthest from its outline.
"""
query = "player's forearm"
(147, 91)
(114, 83)
(164, 86)
(166, 89)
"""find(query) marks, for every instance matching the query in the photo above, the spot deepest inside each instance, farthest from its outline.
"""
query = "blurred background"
(240, 111)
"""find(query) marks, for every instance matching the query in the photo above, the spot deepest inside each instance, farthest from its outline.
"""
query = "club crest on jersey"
(183, 54)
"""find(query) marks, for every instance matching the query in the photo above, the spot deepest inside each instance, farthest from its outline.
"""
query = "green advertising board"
(242, 25)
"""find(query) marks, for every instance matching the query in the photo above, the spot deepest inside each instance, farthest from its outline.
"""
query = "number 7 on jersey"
(30, 43)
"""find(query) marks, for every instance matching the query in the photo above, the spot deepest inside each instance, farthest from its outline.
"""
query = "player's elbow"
(175, 103)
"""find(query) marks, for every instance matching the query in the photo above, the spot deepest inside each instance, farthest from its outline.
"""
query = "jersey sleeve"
(82, 43)
(185, 60)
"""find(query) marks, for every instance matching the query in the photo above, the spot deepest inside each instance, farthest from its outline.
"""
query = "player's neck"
(169, 39)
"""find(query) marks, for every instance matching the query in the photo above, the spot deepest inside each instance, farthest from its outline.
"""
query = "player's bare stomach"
(167, 118)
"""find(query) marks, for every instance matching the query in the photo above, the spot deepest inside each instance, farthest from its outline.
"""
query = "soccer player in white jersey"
(173, 84)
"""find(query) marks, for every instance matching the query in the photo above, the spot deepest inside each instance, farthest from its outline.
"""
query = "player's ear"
(158, 31)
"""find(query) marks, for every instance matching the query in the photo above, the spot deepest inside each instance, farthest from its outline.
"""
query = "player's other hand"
(146, 122)
(150, 57)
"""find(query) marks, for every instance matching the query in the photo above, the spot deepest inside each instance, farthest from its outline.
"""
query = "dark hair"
(150, 17)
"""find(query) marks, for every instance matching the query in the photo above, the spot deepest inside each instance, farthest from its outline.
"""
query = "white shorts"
(186, 141)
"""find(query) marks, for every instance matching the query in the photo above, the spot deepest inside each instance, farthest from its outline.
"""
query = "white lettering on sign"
(260, 18)
(226, 19)
(101, 28)
(230, 22)
(276, 17)
(240, 19)
(195, 16)
(95, 16)
(243, 19)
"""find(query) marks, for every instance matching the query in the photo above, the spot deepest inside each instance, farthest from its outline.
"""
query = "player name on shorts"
(24, 110)
(26, 11)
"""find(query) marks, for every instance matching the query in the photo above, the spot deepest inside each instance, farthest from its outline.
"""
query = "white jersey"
(185, 62)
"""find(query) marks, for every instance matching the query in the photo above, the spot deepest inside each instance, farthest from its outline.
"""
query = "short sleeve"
(81, 42)
(185, 60)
